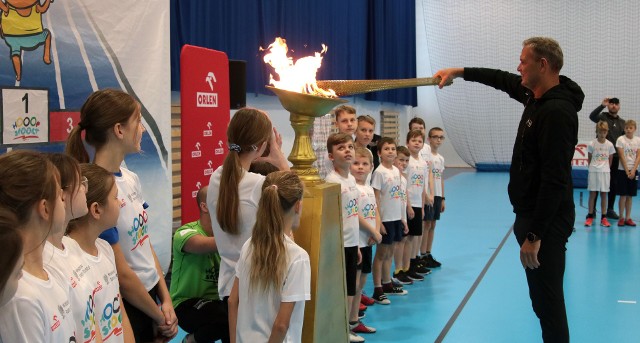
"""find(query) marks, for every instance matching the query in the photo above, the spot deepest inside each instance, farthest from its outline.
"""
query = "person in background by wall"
(616, 129)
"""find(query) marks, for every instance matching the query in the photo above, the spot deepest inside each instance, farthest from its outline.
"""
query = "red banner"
(204, 100)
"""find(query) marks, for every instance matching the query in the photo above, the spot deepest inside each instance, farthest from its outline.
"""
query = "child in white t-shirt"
(268, 294)
(40, 310)
(387, 184)
(432, 213)
(369, 228)
(600, 153)
(627, 173)
(341, 152)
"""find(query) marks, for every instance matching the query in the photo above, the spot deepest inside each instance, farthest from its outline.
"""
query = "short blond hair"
(630, 122)
(364, 152)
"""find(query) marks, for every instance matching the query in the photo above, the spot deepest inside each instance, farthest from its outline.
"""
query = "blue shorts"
(395, 231)
(433, 212)
(30, 42)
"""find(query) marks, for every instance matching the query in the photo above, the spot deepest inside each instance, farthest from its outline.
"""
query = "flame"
(296, 77)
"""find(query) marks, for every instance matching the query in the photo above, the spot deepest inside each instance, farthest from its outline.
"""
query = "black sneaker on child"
(380, 298)
(414, 276)
(419, 267)
(430, 262)
(402, 278)
(391, 290)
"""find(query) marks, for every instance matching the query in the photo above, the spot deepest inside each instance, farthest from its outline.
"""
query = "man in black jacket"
(540, 185)
(616, 129)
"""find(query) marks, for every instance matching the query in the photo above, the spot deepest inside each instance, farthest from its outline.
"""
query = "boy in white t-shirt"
(418, 124)
(432, 213)
(600, 152)
(627, 173)
(420, 192)
(369, 225)
(387, 182)
(341, 153)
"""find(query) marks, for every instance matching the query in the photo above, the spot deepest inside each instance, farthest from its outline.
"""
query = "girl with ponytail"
(112, 123)
(273, 274)
(249, 133)
(10, 256)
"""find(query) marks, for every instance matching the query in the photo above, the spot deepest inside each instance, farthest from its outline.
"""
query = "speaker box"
(237, 84)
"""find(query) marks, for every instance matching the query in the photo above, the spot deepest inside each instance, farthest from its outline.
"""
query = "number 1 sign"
(25, 116)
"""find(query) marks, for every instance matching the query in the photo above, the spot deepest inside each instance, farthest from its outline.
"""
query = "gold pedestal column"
(320, 232)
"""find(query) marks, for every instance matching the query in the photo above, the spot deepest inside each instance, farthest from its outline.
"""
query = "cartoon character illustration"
(22, 29)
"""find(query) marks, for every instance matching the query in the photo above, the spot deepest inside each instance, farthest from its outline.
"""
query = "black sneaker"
(612, 214)
(414, 276)
(396, 284)
(380, 298)
(361, 314)
(388, 289)
(402, 278)
(420, 268)
(430, 262)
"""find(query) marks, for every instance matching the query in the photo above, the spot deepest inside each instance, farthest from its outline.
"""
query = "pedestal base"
(320, 234)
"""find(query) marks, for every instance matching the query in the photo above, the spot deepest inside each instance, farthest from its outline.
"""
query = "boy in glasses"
(432, 212)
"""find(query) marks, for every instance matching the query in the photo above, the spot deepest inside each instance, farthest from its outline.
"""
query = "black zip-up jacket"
(540, 184)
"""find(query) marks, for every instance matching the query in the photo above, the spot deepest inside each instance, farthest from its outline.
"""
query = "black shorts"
(365, 265)
(433, 212)
(624, 186)
(351, 268)
(206, 319)
(415, 224)
(395, 231)
(141, 324)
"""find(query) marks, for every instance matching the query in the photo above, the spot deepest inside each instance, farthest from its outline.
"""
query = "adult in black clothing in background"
(540, 185)
(616, 129)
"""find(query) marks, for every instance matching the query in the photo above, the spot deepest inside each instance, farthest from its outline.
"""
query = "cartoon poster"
(73, 48)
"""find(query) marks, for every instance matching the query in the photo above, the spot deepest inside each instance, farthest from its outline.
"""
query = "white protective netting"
(601, 48)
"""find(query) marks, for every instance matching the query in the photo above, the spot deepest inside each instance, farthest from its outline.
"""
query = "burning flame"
(296, 77)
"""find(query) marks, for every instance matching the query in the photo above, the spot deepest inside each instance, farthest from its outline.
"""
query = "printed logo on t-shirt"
(211, 274)
(89, 322)
(396, 192)
(138, 232)
(111, 319)
(437, 173)
(351, 208)
(417, 180)
(63, 309)
(369, 211)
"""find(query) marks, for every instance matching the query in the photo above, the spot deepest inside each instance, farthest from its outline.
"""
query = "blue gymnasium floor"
(480, 292)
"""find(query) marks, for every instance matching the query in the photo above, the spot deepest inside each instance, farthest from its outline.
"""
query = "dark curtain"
(367, 39)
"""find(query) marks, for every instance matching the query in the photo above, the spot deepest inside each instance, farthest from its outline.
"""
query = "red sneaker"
(621, 222)
(361, 328)
(588, 222)
(604, 222)
(366, 300)
(629, 222)
(363, 307)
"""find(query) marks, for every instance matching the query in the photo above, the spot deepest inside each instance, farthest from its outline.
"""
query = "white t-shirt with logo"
(81, 281)
(249, 191)
(437, 169)
(133, 229)
(107, 297)
(389, 183)
(417, 174)
(349, 196)
(630, 148)
(39, 312)
(257, 311)
(600, 153)
(367, 208)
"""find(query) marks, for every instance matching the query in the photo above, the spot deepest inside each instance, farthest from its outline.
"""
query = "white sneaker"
(353, 338)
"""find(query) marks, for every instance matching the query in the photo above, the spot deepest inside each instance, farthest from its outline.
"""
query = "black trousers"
(546, 282)
(207, 320)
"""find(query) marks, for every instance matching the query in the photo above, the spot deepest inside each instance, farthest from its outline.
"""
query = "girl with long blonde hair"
(273, 274)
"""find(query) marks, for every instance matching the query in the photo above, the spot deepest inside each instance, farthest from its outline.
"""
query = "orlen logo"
(220, 149)
(206, 99)
(26, 128)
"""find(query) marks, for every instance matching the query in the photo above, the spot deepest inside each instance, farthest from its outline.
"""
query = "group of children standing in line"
(600, 154)
(391, 201)
(78, 232)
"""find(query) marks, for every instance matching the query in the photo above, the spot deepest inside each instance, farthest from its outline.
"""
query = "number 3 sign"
(25, 116)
